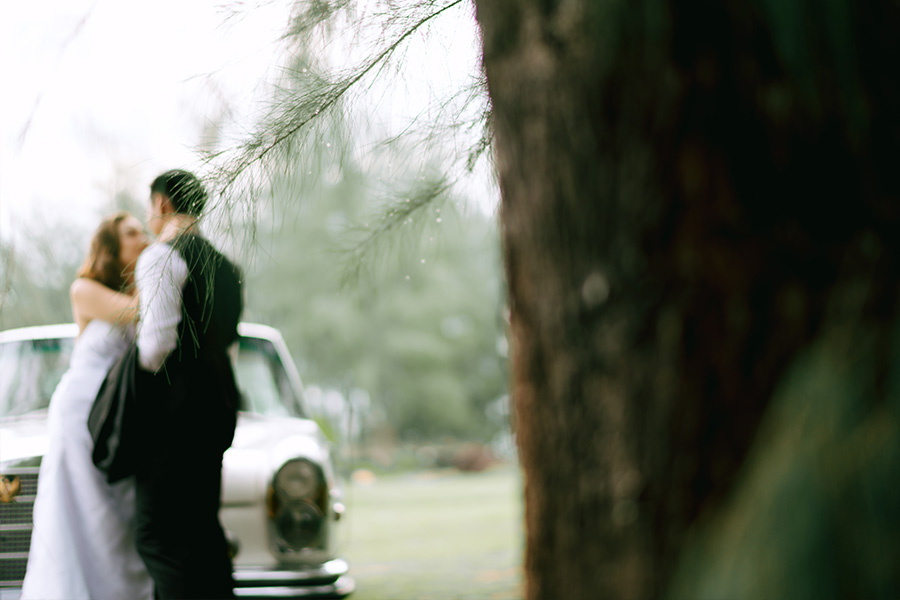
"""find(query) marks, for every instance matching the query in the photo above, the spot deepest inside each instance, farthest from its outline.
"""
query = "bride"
(82, 545)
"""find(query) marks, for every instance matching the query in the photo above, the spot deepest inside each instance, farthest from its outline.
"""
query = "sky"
(100, 95)
(103, 95)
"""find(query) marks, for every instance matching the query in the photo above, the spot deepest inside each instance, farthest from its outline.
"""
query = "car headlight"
(296, 503)
(298, 523)
(298, 478)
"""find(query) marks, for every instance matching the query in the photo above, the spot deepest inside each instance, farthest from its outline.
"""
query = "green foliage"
(403, 300)
(816, 514)
(346, 206)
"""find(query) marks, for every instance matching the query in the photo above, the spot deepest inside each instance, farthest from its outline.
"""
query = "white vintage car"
(281, 501)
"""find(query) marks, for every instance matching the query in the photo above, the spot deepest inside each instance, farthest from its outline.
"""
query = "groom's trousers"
(179, 535)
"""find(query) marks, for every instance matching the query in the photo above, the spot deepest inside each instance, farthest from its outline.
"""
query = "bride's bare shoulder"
(83, 286)
(92, 298)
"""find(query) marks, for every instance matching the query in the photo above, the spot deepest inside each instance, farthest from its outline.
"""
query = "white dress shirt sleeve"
(160, 276)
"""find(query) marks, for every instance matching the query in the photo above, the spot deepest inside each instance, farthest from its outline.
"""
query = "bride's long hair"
(102, 263)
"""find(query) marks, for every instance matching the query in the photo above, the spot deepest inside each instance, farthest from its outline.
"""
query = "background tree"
(35, 279)
(38, 263)
(697, 215)
(411, 319)
(337, 199)
(676, 278)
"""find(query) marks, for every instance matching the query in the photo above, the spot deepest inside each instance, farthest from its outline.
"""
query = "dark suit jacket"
(188, 408)
(190, 404)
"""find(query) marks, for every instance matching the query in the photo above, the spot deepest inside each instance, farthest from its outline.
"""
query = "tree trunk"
(692, 194)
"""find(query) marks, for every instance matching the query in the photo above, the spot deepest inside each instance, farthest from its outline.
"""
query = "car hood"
(261, 445)
(23, 438)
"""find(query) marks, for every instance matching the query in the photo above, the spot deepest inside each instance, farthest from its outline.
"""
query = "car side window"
(29, 373)
(261, 379)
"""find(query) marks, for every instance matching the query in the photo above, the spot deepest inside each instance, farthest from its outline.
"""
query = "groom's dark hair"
(183, 190)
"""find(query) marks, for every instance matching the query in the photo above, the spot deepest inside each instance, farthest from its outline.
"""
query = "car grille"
(15, 528)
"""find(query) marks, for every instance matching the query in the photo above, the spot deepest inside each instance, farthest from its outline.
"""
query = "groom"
(187, 397)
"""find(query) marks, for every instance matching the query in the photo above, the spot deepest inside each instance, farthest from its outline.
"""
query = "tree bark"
(690, 194)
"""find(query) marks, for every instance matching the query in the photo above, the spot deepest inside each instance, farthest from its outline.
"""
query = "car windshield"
(31, 369)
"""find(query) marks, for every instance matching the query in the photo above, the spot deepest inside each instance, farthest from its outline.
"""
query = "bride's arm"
(93, 300)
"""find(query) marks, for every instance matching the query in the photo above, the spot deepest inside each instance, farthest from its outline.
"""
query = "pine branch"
(305, 108)
(389, 220)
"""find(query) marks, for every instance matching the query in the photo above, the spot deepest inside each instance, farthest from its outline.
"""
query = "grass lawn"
(436, 535)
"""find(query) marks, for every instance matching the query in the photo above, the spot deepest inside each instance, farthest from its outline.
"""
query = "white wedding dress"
(82, 546)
